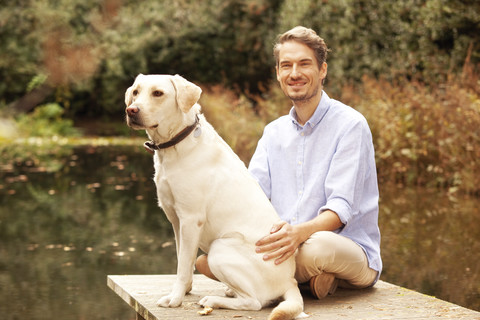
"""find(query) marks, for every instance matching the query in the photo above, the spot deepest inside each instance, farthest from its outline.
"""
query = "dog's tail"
(290, 308)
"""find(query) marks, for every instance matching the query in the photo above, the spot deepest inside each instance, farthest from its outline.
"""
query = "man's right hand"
(281, 243)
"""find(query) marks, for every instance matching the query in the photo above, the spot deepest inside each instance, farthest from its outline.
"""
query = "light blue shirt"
(328, 163)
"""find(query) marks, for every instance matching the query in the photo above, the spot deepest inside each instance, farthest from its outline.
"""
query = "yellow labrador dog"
(210, 199)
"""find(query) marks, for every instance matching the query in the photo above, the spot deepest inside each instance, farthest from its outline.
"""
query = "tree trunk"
(30, 100)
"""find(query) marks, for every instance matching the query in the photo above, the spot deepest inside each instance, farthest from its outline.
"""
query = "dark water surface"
(68, 222)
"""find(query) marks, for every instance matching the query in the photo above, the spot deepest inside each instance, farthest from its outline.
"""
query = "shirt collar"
(317, 116)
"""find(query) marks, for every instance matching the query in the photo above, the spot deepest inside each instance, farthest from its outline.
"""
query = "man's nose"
(295, 71)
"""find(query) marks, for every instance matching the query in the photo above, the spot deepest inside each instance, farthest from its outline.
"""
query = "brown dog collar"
(151, 146)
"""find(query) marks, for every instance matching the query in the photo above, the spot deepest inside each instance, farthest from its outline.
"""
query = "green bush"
(425, 40)
(45, 121)
(94, 49)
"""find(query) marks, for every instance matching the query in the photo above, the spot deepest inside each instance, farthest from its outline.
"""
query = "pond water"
(68, 222)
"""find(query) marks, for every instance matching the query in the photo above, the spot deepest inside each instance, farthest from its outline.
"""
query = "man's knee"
(201, 264)
(332, 253)
(318, 249)
(314, 256)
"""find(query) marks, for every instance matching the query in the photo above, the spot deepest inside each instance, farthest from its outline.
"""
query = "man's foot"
(323, 284)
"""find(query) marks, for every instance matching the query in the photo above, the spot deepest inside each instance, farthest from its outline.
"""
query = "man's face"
(298, 72)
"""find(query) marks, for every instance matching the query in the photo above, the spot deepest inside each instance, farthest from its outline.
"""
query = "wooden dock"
(383, 301)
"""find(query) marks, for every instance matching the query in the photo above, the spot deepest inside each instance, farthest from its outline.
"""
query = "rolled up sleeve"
(346, 176)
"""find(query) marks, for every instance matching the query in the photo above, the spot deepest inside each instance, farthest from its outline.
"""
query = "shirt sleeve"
(259, 167)
(348, 170)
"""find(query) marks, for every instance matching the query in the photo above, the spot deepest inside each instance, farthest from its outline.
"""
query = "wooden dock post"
(383, 301)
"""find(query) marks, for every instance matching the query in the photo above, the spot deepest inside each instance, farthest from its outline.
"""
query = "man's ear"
(324, 71)
(187, 93)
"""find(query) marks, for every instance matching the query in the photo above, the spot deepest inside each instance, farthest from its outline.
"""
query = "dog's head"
(160, 101)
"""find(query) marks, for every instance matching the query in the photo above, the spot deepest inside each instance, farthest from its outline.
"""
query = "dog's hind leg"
(237, 303)
(232, 266)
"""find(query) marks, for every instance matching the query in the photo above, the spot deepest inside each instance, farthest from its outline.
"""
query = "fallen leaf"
(167, 244)
(206, 311)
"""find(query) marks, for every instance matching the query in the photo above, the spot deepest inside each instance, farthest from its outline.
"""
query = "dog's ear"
(128, 96)
(128, 93)
(187, 93)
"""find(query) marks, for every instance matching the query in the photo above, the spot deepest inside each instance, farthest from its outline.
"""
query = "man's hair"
(306, 36)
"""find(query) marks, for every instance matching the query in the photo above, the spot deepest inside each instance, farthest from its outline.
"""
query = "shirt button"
(294, 219)
(302, 134)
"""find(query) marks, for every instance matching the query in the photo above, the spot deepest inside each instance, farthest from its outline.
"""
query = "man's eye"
(157, 93)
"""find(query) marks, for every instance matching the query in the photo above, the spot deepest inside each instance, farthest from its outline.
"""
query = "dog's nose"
(132, 111)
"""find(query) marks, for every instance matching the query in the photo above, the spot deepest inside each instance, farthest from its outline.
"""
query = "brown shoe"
(323, 284)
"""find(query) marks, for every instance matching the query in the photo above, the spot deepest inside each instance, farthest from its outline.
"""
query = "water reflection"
(63, 231)
(65, 226)
(431, 243)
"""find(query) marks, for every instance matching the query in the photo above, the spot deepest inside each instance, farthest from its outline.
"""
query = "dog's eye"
(157, 93)
(135, 92)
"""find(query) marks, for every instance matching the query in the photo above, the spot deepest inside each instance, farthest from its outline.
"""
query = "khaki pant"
(329, 252)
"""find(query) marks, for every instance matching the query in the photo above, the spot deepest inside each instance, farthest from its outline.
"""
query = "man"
(317, 166)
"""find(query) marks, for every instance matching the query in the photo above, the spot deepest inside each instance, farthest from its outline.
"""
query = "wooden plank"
(384, 301)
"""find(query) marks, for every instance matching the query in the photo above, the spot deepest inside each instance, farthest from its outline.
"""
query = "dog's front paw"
(170, 301)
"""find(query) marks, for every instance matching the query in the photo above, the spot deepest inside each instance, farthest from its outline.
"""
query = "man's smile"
(297, 83)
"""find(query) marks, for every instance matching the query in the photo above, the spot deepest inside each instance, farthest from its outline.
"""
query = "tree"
(87, 52)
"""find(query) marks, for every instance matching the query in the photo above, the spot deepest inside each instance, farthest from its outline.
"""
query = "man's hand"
(284, 238)
(281, 243)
